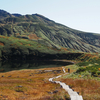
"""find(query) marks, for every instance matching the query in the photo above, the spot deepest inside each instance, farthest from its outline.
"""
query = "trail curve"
(73, 95)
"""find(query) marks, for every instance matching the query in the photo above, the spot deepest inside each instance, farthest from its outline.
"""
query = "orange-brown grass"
(21, 43)
(28, 84)
(64, 49)
(28, 45)
(33, 36)
(91, 56)
(2, 44)
(89, 89)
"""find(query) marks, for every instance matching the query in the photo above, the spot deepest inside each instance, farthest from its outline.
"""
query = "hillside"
(4, 14)
(12, 48)
(38, 28)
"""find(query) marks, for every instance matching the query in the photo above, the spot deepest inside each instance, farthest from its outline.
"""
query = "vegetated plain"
(35, 37)
(83, 78)
(33, 84)
(86, 78)
(30, 85)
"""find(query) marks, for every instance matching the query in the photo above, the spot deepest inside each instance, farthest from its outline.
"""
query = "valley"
(34, 49)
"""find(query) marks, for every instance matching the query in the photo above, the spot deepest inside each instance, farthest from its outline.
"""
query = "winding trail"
(73, 95)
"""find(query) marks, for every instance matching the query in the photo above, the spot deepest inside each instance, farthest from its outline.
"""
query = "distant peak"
(16, 15)
(4, 14)
(39, 15)
(3, 11)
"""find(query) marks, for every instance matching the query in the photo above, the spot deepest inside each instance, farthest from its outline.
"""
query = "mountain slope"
(4, 14)
(17, 15)
(12, 48)
(43, 30)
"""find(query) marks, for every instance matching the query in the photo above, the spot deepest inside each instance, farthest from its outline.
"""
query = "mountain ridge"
(48, 32)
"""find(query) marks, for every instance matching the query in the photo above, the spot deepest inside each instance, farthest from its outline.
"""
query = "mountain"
(38, 28)
(4, 14)
(12, 48)
(17, 15)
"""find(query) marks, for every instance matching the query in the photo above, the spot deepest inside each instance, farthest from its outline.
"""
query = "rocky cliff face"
(43, 30)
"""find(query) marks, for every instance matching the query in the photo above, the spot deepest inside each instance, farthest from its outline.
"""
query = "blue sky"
(82, 15)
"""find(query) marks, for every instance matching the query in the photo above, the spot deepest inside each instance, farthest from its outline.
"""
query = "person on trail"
(68, 70)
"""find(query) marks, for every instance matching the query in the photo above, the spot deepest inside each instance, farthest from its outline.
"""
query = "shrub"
(82, 69)
(93, 72)
(20, 88)
(98, 72)
(99, 69)
(0, 53)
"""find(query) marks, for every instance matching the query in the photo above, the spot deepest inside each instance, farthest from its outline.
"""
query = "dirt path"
(73, 95)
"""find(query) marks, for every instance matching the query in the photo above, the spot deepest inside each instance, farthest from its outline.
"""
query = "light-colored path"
(73, 95)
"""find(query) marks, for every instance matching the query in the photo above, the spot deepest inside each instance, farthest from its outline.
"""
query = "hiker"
(68, 70)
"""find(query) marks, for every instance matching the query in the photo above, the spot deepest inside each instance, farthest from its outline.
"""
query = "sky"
(82, 15)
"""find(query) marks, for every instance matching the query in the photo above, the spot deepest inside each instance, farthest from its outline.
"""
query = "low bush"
(82, 69)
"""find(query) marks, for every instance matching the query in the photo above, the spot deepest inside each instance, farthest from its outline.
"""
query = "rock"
(29, 80)
(22, 98)
(77, 92)
(48, 70)
(50, 92)
(2, 76)
(20, 86)
(70, 86)
(55, 91)
(53, 82)
(73, 89)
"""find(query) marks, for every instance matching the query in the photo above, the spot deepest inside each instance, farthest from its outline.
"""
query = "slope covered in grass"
(47, 32)
(22, 49)
(84, 76)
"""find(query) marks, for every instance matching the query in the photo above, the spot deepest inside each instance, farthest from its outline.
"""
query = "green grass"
(17, 46)
(87, 68)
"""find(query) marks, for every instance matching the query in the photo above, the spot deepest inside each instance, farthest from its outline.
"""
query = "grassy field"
(84, 77)
(31, 85)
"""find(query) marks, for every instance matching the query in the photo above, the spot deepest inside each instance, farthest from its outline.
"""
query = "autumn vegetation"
(15, 48)
(33, 38)
(85, 79)
(31, 85)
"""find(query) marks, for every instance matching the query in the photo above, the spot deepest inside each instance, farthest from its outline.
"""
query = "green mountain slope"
(12, 48)
(47, 32)
(4, 14)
